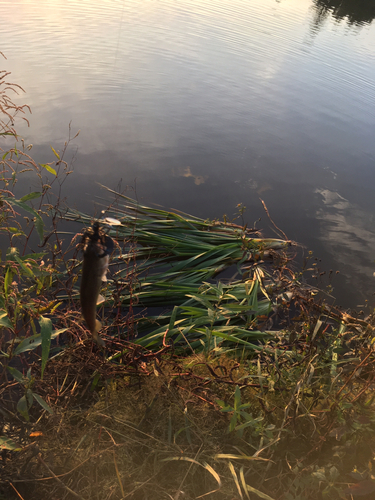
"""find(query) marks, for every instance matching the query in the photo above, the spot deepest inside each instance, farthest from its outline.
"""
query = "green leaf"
(31, 196)
(222, 403)
(237, 397)
(48, 168)
(9, 444)
(29, 398)
(35, 341)
(22, 407)
(236, 340)
(241, 427)
(232, 423)
(24, 268)
(95, 381)
(39, 225)
(173, 318)
(320, 475)
(55, 153)
(33, 256)
(14, 230)
(42, 403)
(46, 332)
(16, 374)
(259, 493)
(8, 281)
(202, 300)
(5, 321)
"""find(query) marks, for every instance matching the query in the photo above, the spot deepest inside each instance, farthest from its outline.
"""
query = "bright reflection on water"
(211, 104)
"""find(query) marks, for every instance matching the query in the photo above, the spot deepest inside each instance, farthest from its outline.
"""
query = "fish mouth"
(96, 241)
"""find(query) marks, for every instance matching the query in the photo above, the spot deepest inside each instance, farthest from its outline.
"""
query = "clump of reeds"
(177, 259)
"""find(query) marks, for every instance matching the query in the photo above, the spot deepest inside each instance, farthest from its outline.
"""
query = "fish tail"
(95, 335)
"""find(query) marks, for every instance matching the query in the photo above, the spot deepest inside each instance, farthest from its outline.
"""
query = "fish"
(97, 248)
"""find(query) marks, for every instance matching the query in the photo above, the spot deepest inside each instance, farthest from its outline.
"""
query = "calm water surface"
(206, 104)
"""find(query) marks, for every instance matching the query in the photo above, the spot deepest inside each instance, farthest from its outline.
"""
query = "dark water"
(206, 104)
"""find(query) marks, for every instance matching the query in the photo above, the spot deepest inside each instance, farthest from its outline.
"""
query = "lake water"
(202, 105)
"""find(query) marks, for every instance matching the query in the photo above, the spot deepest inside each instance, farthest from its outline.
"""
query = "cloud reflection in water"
(348, 234)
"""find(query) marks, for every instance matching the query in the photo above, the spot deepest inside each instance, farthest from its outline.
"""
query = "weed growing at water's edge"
(27, 278)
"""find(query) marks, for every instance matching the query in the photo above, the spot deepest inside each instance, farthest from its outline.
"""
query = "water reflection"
(204, 105)
(347, 232)
(353, 11)
(186, 172)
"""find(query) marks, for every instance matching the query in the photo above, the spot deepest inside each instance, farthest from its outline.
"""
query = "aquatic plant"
(176, 259)
(27, 278)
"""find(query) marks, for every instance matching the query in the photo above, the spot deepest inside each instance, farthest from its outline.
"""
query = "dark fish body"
(96, 250)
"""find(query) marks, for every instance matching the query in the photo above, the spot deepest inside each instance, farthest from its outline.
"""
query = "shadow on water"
(354, 12)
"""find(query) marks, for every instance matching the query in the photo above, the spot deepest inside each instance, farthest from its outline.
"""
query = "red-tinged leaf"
(360, 489)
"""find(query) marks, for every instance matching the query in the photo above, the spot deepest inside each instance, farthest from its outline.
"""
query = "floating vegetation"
(176, 258)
